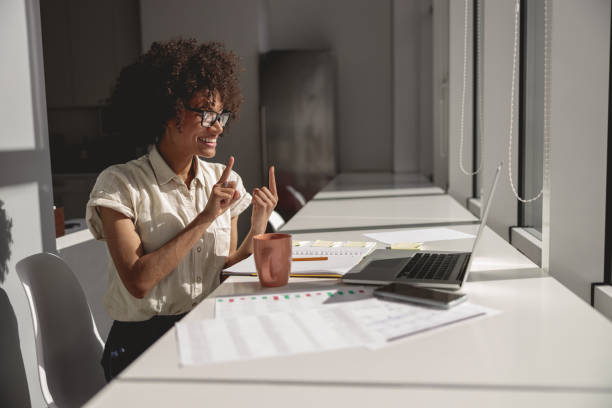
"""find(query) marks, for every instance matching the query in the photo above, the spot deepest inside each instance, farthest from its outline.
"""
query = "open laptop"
(433, 269)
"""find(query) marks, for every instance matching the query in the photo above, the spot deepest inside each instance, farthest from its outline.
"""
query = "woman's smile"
(207, 141)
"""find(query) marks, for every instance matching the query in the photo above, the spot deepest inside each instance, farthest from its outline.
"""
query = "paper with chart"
(418, 235)
(247, 305)
(240, 333)
(268, 335)
(341, 257)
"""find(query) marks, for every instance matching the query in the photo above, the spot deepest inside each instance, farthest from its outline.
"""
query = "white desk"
(357, 185)
(546, 348)
(495, 259)
(379, 192)
(270, 394)
(545, 338)
(369, 213)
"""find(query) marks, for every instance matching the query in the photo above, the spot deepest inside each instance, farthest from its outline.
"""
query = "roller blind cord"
(546, 129)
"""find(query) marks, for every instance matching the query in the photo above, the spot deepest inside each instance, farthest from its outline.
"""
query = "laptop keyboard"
(429, 266)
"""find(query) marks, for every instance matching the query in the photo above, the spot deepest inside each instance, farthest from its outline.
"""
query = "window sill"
(527, 243)
(474, 205)
(603, 300)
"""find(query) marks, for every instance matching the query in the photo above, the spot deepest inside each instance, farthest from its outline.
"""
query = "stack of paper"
(341, 257)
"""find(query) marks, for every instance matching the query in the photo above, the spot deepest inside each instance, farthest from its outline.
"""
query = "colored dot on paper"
(286, 296)
(297, 295)
(231, 300)
(308, 294)
(253, 298)
(275, 297)
(351, 292)
(241, 298)
(330, 294)
(265, 297)
(220, 300)
(318, 293)
(340, 292)
(361, 291)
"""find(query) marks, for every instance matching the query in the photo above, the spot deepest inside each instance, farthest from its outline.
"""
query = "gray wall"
(25, 191)
(574, 206)
(440, 93)
(359, 32)
(498, 36)
(412, 86)
(460, 185)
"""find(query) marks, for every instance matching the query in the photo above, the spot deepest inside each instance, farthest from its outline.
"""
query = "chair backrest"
(68, 346)
(297, 195)
(276, 221)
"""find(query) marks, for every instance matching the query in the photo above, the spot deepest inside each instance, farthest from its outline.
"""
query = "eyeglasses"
(210, 117)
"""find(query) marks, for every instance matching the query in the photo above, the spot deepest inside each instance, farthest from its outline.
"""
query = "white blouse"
(161, 205)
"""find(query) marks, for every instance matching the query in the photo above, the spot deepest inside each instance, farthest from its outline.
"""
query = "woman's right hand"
(223, 194)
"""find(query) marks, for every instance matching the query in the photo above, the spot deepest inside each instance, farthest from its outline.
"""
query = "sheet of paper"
(233, 306)
(394, 320)
(268, 335)
(418, 235)
(368, 323)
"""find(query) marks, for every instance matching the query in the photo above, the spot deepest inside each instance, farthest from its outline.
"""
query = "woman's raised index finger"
(272, 181)
(227, 171)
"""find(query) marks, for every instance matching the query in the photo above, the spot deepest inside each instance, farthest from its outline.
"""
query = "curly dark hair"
(160, 83)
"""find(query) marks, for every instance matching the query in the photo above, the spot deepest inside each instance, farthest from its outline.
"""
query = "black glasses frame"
(222, 117)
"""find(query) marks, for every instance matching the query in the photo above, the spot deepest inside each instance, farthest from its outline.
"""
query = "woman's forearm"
(151, 268)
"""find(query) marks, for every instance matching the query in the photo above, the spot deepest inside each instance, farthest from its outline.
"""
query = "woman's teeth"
(209, 141)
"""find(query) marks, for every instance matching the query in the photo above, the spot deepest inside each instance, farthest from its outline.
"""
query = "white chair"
(297, 196)
(276, 221)
(68, 346)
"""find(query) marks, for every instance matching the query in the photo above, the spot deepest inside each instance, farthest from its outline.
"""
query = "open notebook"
(341, 257)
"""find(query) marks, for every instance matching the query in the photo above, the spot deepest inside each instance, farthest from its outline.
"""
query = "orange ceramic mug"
(272, 258)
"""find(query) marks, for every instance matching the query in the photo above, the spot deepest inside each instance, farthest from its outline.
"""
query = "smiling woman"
(170, 217)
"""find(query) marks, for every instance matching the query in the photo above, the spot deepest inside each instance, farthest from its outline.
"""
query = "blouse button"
(199, 279)
(199, 249)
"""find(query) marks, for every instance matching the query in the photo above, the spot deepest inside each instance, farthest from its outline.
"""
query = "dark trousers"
(128, 340)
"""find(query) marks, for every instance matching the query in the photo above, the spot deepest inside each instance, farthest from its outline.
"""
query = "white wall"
(25, 191)
(574, 210)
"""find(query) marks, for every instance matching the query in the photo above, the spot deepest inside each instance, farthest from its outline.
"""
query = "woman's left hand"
(264, 202)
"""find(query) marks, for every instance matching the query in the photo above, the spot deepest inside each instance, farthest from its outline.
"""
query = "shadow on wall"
(13, 382)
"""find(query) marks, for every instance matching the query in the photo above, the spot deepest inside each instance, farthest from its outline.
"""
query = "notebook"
(342, 256)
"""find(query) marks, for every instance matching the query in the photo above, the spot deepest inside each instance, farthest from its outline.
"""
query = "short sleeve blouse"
(160, 205)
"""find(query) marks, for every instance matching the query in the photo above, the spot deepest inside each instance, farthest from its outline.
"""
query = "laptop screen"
(483, 219)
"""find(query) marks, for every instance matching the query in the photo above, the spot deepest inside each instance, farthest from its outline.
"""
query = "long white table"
(139, 393)
(359, 185)
(545, 347)
(376, 212)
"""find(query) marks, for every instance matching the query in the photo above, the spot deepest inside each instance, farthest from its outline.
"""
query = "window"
(477, 94)
(532, 114)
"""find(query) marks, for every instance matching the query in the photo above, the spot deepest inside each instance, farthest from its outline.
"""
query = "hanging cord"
(546, 130)
(463, 92)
